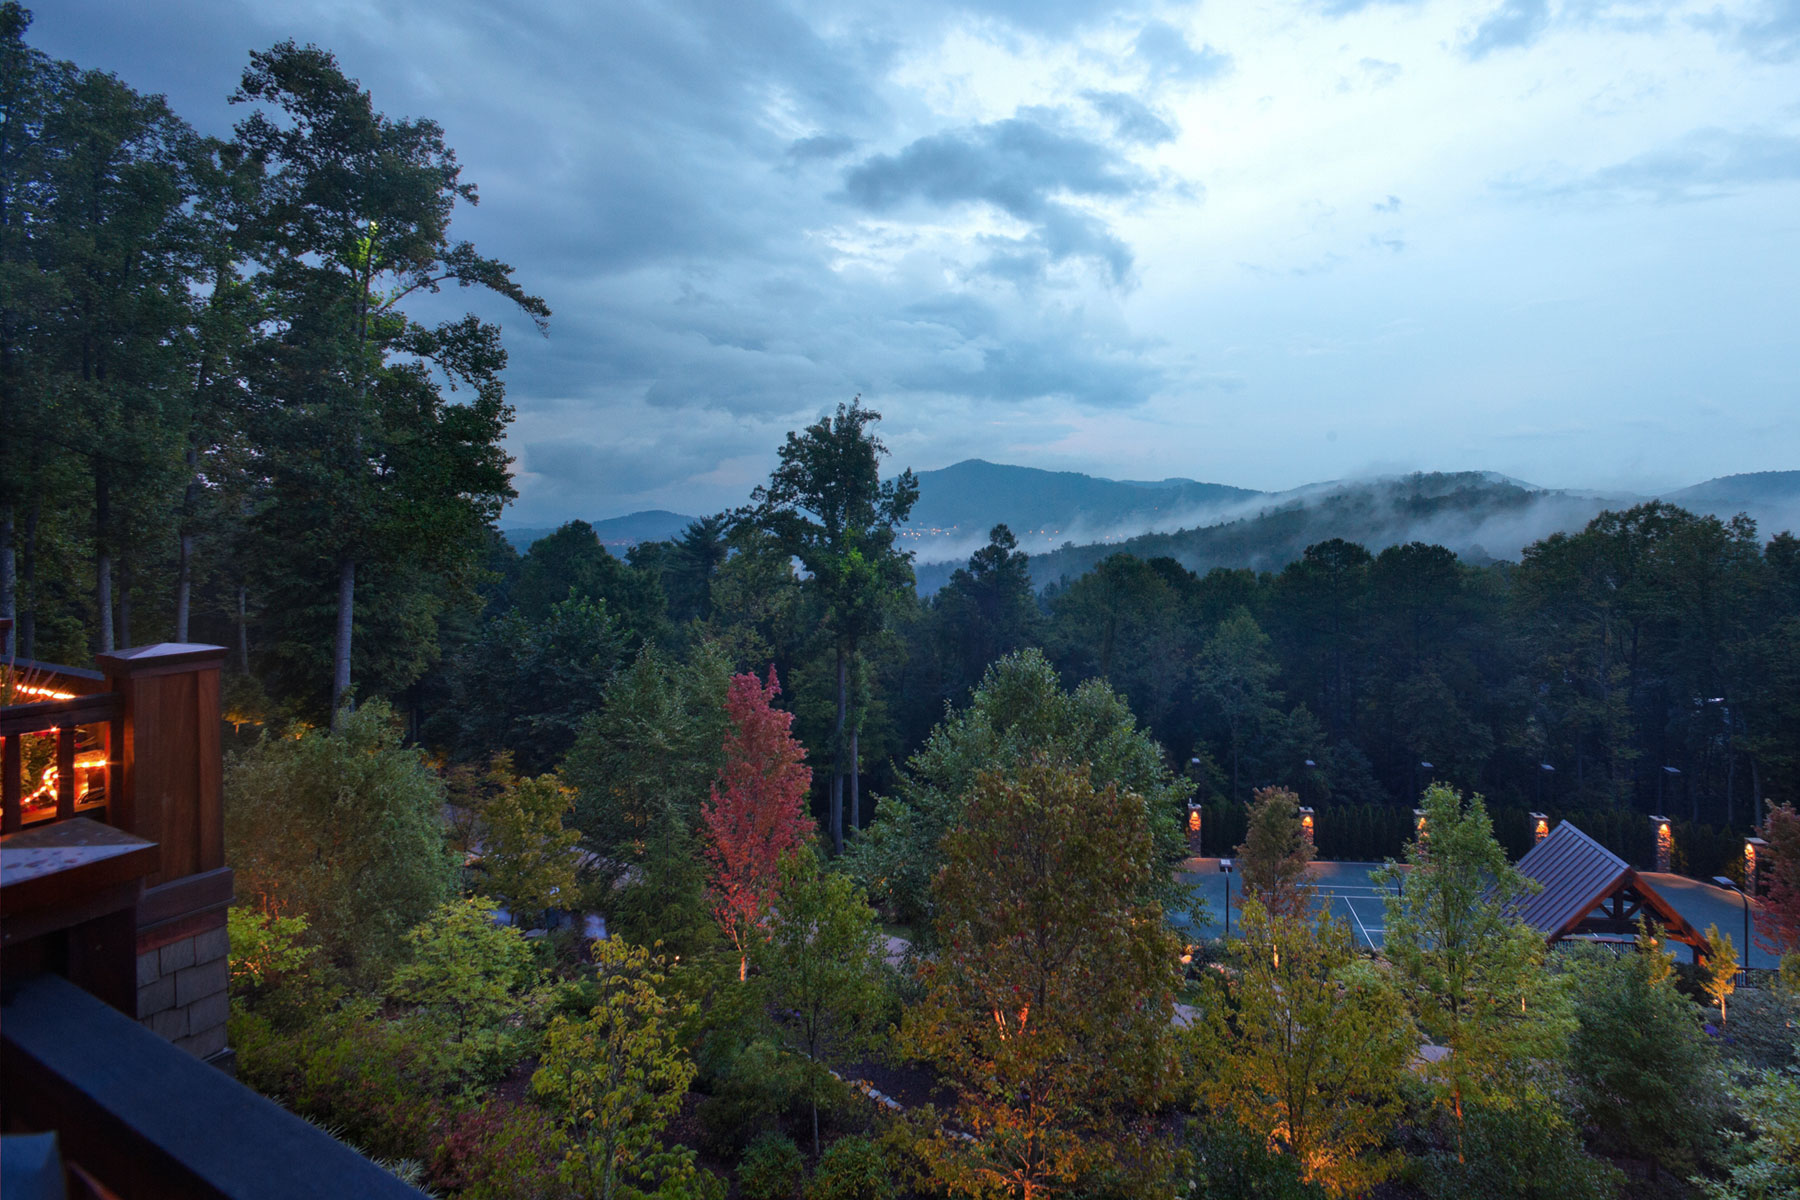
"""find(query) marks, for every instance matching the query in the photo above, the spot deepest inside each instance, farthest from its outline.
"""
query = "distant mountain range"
(617, 533)
(1069, 521)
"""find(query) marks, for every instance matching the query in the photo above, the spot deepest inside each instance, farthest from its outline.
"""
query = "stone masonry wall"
(181, 991)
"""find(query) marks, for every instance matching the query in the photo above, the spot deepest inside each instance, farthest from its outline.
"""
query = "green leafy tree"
(470, 981)
(1472, 974)
(615, 1080)
(642, 766)
(1047, 1008)
(352, 221)
(572, 562)
(821, 972)
(100, 287)
(1020, 713)
(526, 686)
(1127, 622)
(826, 505)
(1765, 1164)
(344, 829)
(1308, 1046)
(1237, 674)
(855, 1168)
(530, 861)
(1638, 1056)
(1275, 854)
(986, 611)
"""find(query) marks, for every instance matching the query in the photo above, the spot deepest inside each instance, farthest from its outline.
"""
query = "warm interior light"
(45, 693)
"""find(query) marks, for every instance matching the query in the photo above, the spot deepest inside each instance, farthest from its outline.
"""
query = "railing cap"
(160, 657)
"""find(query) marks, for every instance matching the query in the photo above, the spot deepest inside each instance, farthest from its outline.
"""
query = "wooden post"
(171, 790)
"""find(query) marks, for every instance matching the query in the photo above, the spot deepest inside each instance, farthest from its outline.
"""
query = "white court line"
(1367, 940)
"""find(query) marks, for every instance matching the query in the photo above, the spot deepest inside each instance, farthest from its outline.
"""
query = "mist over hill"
(1068, 521)
(959, 504)
(1482, 516)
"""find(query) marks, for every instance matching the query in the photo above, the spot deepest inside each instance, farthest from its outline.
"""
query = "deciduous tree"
(1471, 972)
(1048, 1005)
(1275, 854)
(1019, 713)
(1720, 977)
(756, 815)
(1778, 916)
(1306, 1045)
(370, 466)
(827, 505)
(616, 1079)
(821, 970)
(346, 830)
(530, 860)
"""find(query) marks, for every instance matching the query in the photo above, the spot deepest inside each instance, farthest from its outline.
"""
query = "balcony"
(113, 945)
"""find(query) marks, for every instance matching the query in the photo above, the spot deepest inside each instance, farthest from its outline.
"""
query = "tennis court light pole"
(1744, 969)
(1225, 865)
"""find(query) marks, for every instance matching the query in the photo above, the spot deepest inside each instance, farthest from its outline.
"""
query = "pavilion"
(1588, 891)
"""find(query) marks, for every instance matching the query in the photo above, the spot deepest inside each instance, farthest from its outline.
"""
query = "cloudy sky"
(1252, 243)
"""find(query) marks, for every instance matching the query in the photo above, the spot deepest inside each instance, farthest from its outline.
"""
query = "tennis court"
(1353, 898)
(1344, 888)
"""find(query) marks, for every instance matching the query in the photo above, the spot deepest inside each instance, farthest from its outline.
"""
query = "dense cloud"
(1131, 239)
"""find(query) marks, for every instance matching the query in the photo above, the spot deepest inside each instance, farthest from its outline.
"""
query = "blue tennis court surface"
(1354, 899)
(1344, 888)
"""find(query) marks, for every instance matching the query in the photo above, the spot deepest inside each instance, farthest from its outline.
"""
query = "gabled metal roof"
(1576, 872)
(1578, 875)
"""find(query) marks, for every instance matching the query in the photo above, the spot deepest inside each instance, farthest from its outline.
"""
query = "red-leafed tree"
(1778, 920)
(757, 812)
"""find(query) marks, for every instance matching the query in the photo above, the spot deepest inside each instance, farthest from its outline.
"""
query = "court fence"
(1375, 832)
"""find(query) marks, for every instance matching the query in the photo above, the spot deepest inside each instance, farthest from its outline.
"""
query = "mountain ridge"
(1067, 520)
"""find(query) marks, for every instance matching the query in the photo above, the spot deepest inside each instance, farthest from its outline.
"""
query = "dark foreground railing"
(148, 1120)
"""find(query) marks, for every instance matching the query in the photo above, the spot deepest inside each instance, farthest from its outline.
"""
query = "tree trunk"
(1756, 793)
(26, 641)
(184, 574)
(837, 752)
(340, 653)
(125, 600)
(855, 779)
(103, 597)
(9, 602)
(243, 630)
(184, 585)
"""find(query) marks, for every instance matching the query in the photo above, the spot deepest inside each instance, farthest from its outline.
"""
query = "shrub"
(854, 1168)
(1221, 1160)
(1529, 1151)
(501, 1151)
(772, 1169)
(344, 828)
(473, 983)
(375, 1083)
(757, 1086)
